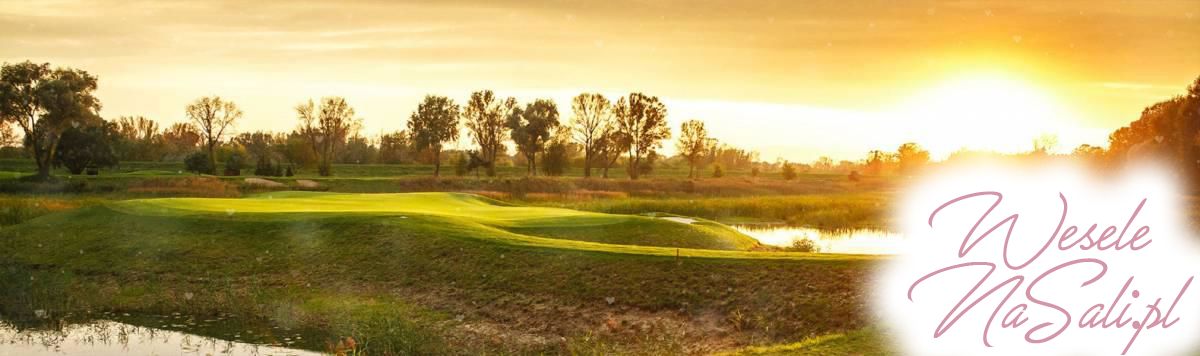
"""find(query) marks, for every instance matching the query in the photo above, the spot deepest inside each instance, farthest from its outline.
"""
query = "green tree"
(642, 123)
(531, 128)
(486, 116)
(434, 124)
(211, 116)
(87, 146)
(198, 162)
(44, 102)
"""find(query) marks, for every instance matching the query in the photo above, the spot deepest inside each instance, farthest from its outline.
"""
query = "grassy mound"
(426, 274)
(468, 211)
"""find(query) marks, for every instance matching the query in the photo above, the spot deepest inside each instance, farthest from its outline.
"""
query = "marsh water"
(107, 337)
(857, 241)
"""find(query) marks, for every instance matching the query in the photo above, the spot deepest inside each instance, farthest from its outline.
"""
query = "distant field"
(431, 273)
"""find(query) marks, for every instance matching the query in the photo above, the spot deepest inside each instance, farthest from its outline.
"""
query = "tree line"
(60, 126)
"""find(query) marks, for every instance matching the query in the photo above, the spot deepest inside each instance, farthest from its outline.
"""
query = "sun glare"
(983, 112)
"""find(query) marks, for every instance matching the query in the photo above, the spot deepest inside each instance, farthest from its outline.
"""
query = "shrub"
(717, 171)
(789, 171)
(85, 147)
(461, 165)
(854, 176)
(754, 172)
(263, 167)
(803, 244)
(187, 186)
(556, 159)
(198, 163)
(233, 164)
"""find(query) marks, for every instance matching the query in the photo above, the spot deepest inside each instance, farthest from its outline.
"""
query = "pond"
(857, 241)
(105, 337)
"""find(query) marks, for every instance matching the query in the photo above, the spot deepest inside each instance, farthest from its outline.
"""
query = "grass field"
(430, 273)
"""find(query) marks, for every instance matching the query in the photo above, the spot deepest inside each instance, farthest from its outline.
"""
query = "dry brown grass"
(188, 186)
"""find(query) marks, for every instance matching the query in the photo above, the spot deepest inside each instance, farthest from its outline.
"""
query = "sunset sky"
(791, 79)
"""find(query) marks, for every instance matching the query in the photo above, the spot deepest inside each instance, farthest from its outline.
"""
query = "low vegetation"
(427, 273)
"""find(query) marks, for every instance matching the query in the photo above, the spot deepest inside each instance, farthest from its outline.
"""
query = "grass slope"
(422, 274)
(468, 210)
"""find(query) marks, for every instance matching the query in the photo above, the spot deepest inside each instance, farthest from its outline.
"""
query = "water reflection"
(859, 241)
(104, 337)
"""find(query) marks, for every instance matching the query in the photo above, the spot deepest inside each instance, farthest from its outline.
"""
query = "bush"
(84, 147)
(803, 245)
(754, 172)
(556, 159)
(718, 172)
(233, 164)
(288, 172)
(187, 186)
(789, 171)
(461, 165)
(854, 176)
(198, 163)
(264, 168)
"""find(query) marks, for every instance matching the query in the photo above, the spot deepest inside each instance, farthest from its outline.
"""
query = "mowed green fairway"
(494, 219)
(430, 273)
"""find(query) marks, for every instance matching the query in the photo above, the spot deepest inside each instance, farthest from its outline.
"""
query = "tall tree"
(434, 124)
(485, 117)
(532, 127)
(211, 116)
(44, 102)
(642, 120)
(327, 127)
(609, 148)
(591, 120)
(694, 143)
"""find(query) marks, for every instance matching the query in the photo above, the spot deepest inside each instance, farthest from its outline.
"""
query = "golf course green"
(517, 224)
(429, 273)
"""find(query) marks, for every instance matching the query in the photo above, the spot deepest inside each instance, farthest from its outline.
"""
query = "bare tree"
(694, 144)
(642, 120)
(434, 123)
(592, 120)
(327, 127)
(485, 116)
(211, 116)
